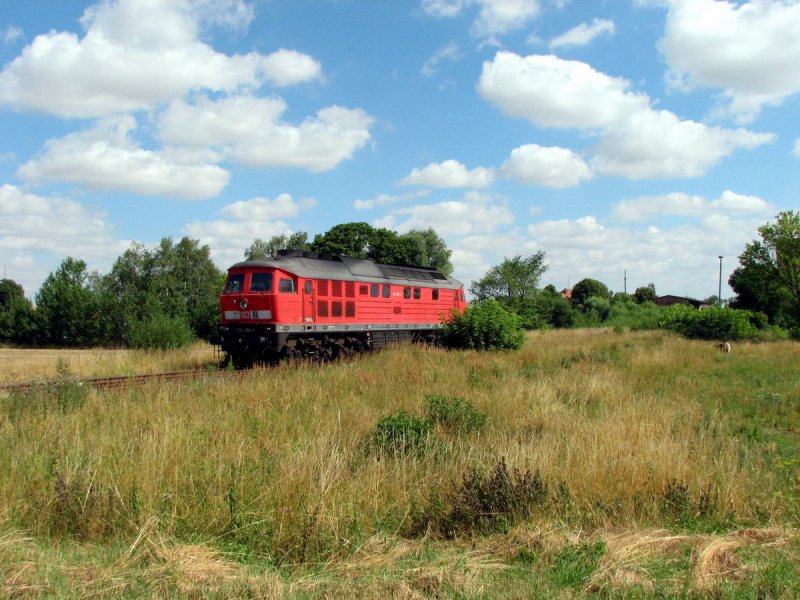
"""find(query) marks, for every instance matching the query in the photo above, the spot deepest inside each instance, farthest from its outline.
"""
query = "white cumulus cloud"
(248, 219)
(657, 144)
(450, 174)
(476, 212)
(635, 140)
(38, 232)
(106, 157)
(749, 50)
(551, 92)
(550, 167)
(134, 55)
(729, 204)
(250, 130)
(288, 67)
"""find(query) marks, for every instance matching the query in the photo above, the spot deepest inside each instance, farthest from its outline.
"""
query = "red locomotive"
(307, 305)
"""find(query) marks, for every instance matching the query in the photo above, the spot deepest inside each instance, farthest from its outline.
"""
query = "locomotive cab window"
(435, 294)
(374, 290)
(387, 291)
(407, 292)
(308, 287)
(261, 282)
(417, 293)
(287, 286)
(235, 284)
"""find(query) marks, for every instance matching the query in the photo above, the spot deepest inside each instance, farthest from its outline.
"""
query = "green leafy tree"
(515, 278)
(148, 290)
(645, 293)
(67, 309)
(361, 240)
(552, 309)
(16, 313)
(587, 288)
(260, 249)
(349, 239)
(429, 250)
(768, 276)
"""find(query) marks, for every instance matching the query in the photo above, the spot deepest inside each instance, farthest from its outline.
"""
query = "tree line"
(168, 295)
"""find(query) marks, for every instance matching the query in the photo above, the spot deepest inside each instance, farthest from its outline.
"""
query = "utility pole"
(719, 289)
(625, 281)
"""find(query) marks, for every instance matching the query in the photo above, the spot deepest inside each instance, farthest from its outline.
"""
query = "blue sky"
(639, 136)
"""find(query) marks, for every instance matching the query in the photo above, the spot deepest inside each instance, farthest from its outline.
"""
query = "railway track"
(109, 383)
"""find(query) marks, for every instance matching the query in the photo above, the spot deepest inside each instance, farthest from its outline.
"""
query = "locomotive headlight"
(243, 303)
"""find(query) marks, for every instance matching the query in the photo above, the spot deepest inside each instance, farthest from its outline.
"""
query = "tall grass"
(278, 464)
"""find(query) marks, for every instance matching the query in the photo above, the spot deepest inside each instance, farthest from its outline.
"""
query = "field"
(591, 462)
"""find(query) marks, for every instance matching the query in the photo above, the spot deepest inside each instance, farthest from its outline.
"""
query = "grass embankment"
(637, 463)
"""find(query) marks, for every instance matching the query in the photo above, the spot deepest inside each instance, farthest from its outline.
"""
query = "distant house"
(566, 293)
(669, 300)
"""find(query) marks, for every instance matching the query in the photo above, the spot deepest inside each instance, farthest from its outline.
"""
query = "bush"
(159, 332)
(455, 414)
(484, 325)
(712, 323)
(401, 433)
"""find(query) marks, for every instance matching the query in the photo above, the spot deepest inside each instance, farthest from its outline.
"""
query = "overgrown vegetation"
(589, 462)
(483, 326)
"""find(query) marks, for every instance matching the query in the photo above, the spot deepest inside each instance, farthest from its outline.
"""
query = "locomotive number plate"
(245, 314)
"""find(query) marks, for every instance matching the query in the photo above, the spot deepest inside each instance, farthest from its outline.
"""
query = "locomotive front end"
(247, 331)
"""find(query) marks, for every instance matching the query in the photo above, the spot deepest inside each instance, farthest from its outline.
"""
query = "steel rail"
(106, 383)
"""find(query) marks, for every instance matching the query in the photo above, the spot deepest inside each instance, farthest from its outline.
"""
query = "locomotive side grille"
(397, 310)
(336, 309)
(322, 308)
(350, 309)
(336, 289)
(350, 289)
(322, 287)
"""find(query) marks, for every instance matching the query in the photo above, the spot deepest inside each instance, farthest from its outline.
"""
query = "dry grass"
(279, 463)
(18, 365)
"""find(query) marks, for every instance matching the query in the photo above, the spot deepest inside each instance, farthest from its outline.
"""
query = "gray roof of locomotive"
(346, 268)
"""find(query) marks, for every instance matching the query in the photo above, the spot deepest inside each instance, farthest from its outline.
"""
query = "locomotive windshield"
(261, 282)
(234, 284)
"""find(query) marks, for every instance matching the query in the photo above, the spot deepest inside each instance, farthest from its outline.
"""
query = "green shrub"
(455, 414)
(712, 323)
(484, 325)
(160, 332)
(401, 433)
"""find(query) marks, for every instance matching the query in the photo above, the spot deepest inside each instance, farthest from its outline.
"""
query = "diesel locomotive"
(305, 305)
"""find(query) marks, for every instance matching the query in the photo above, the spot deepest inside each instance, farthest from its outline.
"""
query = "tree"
(173, 285)
(645, 294)
(515, 278)
(768, 276)
(350, 239)
(361, 240)
(430, 250)
(66, 307)
(16, 313)
(260, 249)
(587, 288)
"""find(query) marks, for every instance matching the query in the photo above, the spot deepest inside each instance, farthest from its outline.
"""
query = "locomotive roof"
(346, 268)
